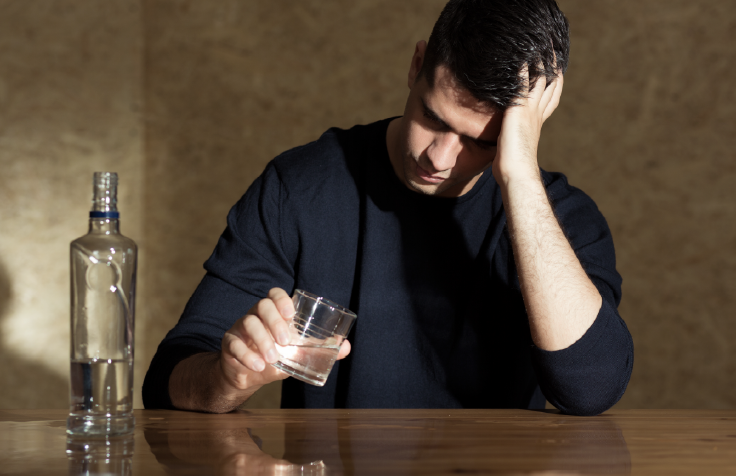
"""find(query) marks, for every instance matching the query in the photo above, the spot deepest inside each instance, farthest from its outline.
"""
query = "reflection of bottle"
(100, 456)
(103, 268)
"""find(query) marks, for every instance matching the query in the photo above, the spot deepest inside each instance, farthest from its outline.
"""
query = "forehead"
(456, 106)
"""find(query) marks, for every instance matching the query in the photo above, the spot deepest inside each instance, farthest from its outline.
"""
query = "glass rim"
(323, 300)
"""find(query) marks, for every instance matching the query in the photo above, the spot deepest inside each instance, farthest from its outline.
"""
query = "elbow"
(584, 408)
(592, 393)
(590, 376)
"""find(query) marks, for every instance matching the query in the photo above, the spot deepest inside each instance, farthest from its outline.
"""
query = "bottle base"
(99, 425)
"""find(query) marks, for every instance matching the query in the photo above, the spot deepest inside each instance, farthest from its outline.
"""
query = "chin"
(423, 189)
(426, 189)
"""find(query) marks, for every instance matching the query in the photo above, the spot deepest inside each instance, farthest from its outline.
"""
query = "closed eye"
(439, 123)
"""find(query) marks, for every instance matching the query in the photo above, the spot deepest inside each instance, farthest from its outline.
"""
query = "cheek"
(418, 139)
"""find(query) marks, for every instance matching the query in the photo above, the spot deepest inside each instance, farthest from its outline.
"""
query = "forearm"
(561, 301)
(197, 383)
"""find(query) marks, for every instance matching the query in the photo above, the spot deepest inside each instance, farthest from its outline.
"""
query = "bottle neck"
(104, 226)
(104, 197)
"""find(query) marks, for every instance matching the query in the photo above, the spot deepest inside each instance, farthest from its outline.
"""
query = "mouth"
(428, 177)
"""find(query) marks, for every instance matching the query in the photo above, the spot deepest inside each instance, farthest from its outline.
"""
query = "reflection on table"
(403, 443)
(100, 456)
(320, 442)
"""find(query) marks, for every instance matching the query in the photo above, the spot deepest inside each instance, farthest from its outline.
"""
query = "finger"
(537, 92)
(345, 348)
(283, 302)
(555, 97)
(549, 89)
(546, 97)
(266, 310)
(261, 337)
(236, 353)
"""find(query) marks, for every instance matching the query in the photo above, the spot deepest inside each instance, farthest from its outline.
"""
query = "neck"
(394, 154)
(104, 226)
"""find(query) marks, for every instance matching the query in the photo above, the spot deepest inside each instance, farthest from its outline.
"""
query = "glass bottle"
(103, 272)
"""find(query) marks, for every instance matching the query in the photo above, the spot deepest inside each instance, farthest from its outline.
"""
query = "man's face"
(447, 138)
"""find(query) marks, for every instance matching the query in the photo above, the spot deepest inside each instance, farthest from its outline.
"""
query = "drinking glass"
(316, 331)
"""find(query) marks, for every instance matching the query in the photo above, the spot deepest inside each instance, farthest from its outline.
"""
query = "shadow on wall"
(25, 384)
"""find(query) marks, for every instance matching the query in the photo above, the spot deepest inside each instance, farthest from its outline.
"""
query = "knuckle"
(228, 342)
(237, 348)
(251, 316)
(262, 306)
(247, 325)
(269, 311)
(251, 324)
(233, 356)
(275, 293)
(227, 345)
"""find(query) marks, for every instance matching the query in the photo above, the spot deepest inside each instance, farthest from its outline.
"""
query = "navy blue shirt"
(441, 319)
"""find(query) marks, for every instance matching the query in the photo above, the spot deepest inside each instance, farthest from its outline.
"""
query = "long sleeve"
(249, 259)
(275, 237)
(591, 375)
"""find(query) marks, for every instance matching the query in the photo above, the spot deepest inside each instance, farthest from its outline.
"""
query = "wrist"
(516, 168)
(198, 383)
(519, 177)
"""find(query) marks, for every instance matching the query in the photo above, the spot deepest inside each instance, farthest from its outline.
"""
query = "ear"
(416, 62)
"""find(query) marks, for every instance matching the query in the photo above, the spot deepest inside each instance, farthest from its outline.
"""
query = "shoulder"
(332, 159)
(568, 199)
(318, 179)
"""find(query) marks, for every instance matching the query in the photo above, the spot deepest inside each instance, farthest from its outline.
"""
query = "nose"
(443, 151)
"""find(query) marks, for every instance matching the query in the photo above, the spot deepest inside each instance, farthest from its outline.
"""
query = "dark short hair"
(487, 43)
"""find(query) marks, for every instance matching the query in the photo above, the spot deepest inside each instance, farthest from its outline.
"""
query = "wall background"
(189, 100)
(70, 103)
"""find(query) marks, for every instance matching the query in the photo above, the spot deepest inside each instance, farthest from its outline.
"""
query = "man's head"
(487, 43)
(462, 82)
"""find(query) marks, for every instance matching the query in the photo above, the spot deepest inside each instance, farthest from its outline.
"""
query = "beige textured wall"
(70, 100)
(645, 127)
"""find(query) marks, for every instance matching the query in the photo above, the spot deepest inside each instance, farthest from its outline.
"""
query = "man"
(479, 280)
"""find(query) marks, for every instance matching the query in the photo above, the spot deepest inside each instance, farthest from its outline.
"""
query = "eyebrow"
(434, 117)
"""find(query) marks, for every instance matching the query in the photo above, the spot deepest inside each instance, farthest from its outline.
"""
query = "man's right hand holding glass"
(219, 382)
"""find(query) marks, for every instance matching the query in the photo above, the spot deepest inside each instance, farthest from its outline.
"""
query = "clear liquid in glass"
(316, 332)
(310, 363)
(101, 386)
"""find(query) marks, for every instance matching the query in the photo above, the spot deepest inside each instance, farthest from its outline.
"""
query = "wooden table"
(375, 442)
